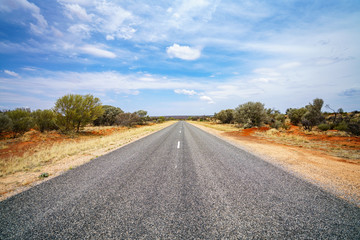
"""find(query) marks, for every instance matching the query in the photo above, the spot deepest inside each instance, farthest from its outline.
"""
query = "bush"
(250, 114)
(225, 116)
(44, 120)
(127, 119)
(313, 115)
(324, 127)
(354, 128)
(343, 126)
(74, 111)
(6, 123)
(21, 119)
(108, 118)
(295, 115)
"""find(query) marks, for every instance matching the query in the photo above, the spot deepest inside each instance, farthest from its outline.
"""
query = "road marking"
(178, 145)
(180, 131)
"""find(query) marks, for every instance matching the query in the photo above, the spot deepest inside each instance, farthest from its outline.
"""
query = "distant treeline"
(254, 114)
(71, 113)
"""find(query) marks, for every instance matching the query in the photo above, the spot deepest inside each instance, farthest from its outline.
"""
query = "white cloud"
(185, 91)
(11, 73)
(110, 37)
(290, 65)
(11, 5)
(79, 12)
(96, 51)
(207, 99)
(267, 71)
(183, 52)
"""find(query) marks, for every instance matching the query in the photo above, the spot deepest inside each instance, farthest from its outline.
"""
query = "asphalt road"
(179, 183)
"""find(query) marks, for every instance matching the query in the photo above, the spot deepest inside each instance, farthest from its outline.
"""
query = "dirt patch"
(340, 176)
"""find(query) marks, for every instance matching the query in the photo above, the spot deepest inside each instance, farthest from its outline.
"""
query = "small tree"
(313, 115)
(21, 119)
(225, 116)
(275, 118)
(44, 120)
(108, 118)
(295, 115)
(6, 123)
(250, 114)
(127, 119)
(142, 113)
(74, 111)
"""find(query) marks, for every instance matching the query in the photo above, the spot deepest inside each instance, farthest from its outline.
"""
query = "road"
(178, 183)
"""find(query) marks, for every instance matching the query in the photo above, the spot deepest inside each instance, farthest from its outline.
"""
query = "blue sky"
(180, 57)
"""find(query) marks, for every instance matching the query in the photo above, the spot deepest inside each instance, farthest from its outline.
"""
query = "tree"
(225, 116)
(74, 111)
(21, 119)
(275, 119)
(6, 123)
(296, 115)
(313, 115)
(127, 119)
(108, 118)
(142, 113)
(44, 120)
(250, 114)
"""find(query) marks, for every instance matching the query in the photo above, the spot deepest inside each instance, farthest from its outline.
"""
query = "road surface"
(178, 183)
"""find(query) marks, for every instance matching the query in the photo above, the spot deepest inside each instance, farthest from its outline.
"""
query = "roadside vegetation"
(41, 143)
(334, 132)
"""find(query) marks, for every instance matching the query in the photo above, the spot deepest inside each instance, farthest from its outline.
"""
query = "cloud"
(98, 52)
(207, 98)
(79, 12)
(351, 92)
(290, 65)
(11, 5)
(14, 74)
(186, 92)
(183, 52)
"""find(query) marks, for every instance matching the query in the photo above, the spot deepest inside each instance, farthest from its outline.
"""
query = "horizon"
(180, 58)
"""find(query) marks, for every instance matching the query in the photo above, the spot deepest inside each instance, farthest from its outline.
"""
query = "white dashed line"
(178, 145)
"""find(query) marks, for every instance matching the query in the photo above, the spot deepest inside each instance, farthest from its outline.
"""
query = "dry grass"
(35, 159)
(301, 141)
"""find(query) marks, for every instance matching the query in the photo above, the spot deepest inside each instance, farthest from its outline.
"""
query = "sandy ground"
(333, 174)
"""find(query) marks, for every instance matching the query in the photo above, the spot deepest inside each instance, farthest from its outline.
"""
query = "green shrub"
(251, 114)
(108, 118)
(295, 115)
(324, 127)
(313, 115)
(354, 128)
(74, 111)
(225, 116)
(44, 120)
(127, 119)
(6, 123)
(343, 126)
(21, 119)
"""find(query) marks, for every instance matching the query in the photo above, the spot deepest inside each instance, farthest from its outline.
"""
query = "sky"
(189, 57)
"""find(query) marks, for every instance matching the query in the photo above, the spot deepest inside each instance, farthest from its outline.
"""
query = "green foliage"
(142, 113)
(324, 127)
(108, 118)
(74, 111)
(127, 119)
(225, 116)
(44, 120)
(250, 114)
(313, 115)
(275, 119)
(21, 119)
(160, 119)
(343, 126)
(44, 175)
(354, 128)
(6, 123)
(296, 115)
